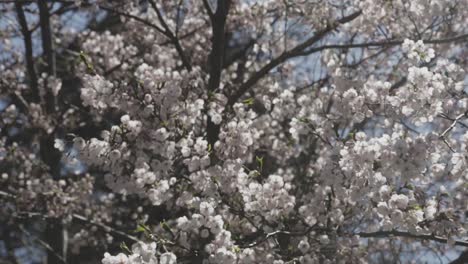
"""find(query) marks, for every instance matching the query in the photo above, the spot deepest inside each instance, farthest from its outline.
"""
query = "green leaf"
(248, 101)
(260, 162)
(85, 60)
(415, 207)
(236, 249)
(256, 173)
(210, 95)
(166, 227)
(142, 228)
(214, 180)
(124, 247)
(139, 229)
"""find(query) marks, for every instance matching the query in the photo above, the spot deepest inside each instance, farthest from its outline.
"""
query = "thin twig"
(160, 30)
(75, 216)
(397, 233)
(380, 44)
(450, 128)
(28, 45)
(171, 36)
(454, 123)
(294, 52)
(43, 243)
(106, 227)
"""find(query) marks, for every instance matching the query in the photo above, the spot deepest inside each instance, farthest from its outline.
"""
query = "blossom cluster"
(141, 253)
(241, 131)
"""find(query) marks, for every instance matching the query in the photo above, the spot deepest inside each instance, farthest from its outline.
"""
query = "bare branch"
(288, 55)
(157, 28)
(106, 227)
(44, 244)
(377, 234)
(397, 233)
(46, 34)
(171, 36)
(462, 259)
(48, 48)
(450, 128)
(381, 44)
(216, 58)
(28, 51)
(208, 9)
(454, 123)
(284, 232)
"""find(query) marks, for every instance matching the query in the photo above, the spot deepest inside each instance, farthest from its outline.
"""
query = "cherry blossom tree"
(233, 131)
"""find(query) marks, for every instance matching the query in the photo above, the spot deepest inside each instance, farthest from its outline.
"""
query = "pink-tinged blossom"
(237, 131)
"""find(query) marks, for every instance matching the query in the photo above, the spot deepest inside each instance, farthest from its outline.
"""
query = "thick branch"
(237, 54)
(216, 58)
(46, 34)
(462, 259)
(28, 50)
(48, 49)
(208, 9)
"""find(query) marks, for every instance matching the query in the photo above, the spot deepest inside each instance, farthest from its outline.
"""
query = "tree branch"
(171, 36)
(160, 30)
(454, 123)
(46, 34)
(216, 59)
(299, 51)
(208, 9)
(285, 232)
(75, 216)
(49, 248)
(380, 44)
(48, 49)
(462, 259)
(288, 55)
(450, 128)
(397, 233)
(28, 51)
(106, 228)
